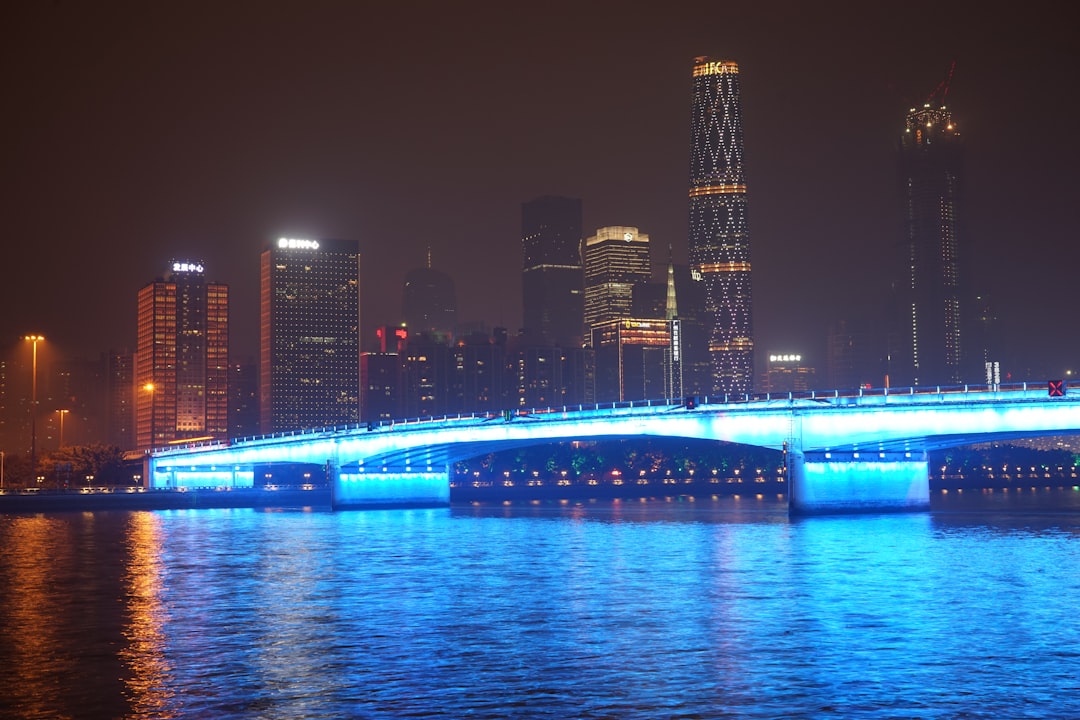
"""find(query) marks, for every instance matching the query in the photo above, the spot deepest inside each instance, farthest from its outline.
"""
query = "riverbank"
(319, 497)
(141, 499)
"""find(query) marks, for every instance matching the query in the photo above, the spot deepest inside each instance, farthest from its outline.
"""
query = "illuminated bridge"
(846, 452)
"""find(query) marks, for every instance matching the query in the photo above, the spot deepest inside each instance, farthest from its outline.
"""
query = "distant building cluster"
(606, 317)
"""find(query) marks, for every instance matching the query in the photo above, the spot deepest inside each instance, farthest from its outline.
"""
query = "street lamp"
(62, 413)
(35, 339)
(149, 387)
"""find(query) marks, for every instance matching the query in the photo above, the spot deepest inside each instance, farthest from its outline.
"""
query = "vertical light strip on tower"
(719, 231)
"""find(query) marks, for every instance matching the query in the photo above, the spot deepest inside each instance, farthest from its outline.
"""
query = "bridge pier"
(355, 488)
(821, 483)
(179, 476)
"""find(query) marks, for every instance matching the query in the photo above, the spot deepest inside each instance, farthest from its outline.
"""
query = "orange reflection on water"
(35, 552)
(149, 671)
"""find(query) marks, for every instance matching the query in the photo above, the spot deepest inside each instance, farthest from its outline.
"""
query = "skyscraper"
(551, 276)
(719, 230)
(632, 359)
(429, 302)
(182, 358)
(615, 260)
(310, 334)
(931, 158)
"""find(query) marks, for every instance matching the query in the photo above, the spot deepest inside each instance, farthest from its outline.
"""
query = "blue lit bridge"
(864, 450)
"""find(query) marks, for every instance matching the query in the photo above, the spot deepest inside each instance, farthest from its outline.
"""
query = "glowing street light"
(62, 413)
(149, 387)
(34, 339)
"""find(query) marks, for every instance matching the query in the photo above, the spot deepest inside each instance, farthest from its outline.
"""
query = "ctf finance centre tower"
(931, 159)
(719, 231)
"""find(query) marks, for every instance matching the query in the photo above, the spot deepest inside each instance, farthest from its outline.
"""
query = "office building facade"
(182, 358)
(719, 230)
(787, 372)
(309, 334)
(551, 276)
(615, 260)
(632, 359)
(931, 159)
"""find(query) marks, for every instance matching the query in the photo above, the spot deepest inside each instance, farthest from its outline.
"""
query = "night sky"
(134, 133)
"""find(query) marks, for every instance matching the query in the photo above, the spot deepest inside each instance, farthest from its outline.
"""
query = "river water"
(659, 609)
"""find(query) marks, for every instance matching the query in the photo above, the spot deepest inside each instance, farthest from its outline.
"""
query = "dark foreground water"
(710, 609)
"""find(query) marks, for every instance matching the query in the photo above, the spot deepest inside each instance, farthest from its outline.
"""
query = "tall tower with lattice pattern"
(719, 230)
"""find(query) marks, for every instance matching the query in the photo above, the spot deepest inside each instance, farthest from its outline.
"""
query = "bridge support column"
(833, 482)
(357, 488)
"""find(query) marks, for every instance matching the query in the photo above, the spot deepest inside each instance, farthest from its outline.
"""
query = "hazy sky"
(134, 133)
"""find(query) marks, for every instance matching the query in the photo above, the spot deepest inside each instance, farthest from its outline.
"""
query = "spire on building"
(672, 306)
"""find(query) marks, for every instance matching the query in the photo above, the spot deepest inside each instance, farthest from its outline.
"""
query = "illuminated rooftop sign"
(187, 267)
(785, 358)
(297, 244)
(715, 68)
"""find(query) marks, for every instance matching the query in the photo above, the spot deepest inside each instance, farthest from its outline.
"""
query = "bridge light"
(690, 402)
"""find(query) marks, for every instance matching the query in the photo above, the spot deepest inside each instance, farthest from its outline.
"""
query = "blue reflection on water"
(604, 610)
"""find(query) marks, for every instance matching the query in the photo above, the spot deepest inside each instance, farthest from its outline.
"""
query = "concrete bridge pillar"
(850, 482)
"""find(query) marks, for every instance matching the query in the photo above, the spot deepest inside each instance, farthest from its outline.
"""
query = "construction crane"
(942, 90)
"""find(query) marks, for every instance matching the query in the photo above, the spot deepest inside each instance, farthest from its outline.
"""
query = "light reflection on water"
(591, 610)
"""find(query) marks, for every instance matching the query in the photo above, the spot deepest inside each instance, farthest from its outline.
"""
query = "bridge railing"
(922, 391)
(854, 395)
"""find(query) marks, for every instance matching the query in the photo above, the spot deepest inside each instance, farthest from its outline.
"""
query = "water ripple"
(604, 611)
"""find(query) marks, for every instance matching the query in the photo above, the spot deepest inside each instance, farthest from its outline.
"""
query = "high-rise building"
(120, 381)
(309, 365)
(541, 375)
(426, 363)
(382, 376)
(380, 386)
(719, 229)
(632, 359)
(477, 374)
(429, 302)
(551, 276)
(786, 372)
(243, 398)
(182, 358)
(615, 260)
(931, 156)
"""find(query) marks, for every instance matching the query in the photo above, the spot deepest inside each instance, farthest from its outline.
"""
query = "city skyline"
(210, 135)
